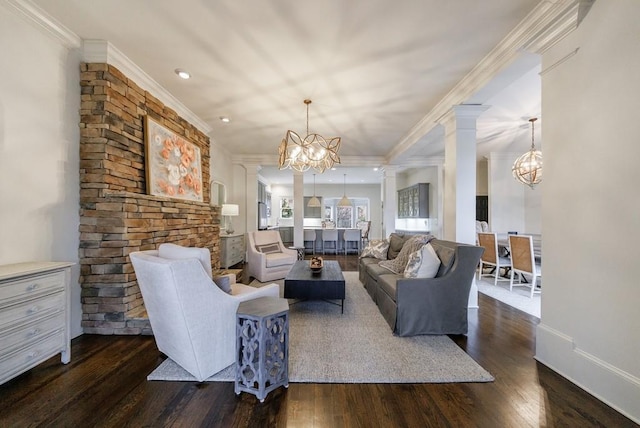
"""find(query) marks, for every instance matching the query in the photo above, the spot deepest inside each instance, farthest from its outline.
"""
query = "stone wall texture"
(117, 216)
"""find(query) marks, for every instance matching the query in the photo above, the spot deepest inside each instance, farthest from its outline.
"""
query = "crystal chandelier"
(312, 151)
(527, 169)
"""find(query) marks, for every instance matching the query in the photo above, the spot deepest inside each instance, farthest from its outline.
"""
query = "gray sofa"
(413, 306)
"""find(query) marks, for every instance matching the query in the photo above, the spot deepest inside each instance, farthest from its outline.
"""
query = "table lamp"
(230, 210)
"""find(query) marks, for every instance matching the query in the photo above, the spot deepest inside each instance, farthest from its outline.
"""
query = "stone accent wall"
(117, 217)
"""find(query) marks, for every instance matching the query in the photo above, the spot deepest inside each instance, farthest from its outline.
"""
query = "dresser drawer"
(32, 310)
(25, 358)
(11, 292)
(28, 333)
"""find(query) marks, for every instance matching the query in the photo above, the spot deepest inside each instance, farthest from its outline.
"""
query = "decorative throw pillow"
(396, 242)
(376, 248)
(398, 264)
(427, 263)
(269, 248)
(223, 282)
(413, 265)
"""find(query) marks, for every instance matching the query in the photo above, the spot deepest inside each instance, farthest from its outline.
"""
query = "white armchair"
(267, 257)
(192, 319)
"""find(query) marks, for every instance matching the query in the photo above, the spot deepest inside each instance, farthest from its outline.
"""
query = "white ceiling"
(373, 68)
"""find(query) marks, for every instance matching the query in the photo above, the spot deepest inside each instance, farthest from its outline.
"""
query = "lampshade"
(314, 202)
(344, 202)
(527, 169)
(312, 151)
(230, 210)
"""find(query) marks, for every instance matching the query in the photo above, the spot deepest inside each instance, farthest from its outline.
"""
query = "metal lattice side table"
(262, 346)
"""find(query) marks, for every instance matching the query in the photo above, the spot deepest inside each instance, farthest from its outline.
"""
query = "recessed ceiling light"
(224, 119)
(333, 169)
(375, 169)
(183, 74)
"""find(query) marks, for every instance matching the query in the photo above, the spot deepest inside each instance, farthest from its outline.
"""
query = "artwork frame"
(173, 164)
(286, 207)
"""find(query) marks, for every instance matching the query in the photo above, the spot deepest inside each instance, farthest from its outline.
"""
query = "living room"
(588, 331)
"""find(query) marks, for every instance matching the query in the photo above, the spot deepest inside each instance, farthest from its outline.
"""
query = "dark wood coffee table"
(302, 284)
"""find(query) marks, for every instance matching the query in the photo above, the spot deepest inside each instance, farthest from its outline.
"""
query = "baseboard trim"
(608, 383)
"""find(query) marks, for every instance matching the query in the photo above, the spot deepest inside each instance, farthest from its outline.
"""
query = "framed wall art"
(173, 164)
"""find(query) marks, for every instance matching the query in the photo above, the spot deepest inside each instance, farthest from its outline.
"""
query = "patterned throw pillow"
(376, 248)
(269, 248)
(423, 263)
(398, 264)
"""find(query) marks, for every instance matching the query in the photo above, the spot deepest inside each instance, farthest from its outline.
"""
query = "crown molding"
(351, 161)
(104, 51)
(544, 26)
(421, 161)
(40, 19)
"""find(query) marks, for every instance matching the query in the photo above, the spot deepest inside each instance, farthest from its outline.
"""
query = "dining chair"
(523, 263)
(491, 257)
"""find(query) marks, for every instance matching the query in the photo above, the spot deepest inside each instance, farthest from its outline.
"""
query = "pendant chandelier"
(314, 202)
(344, 202)
(312, 151)
(527, 169)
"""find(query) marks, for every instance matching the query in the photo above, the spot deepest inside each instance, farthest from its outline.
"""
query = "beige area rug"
(356, 347)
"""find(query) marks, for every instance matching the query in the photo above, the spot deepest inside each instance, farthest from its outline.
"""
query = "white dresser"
(231, 250)
(34, 315)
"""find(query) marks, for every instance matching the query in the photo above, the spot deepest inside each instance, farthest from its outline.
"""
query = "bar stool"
(310, 237)
(353, 236)
(330, 235)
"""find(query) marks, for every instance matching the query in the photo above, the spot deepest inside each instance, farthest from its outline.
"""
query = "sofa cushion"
(376, 248)
(446, 256)
(388, 283)
(280, 259)
(396, 242)
(398, 264)
(364, 262)
(272, 247)
(423, 263)
(375, 270)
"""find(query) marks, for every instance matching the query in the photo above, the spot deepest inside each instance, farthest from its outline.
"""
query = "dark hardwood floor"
(105, 385)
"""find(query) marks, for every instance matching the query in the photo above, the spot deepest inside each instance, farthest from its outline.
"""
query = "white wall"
(482, 178)
(39, 149)
(359, 191)
(506, 195)
(590, 327)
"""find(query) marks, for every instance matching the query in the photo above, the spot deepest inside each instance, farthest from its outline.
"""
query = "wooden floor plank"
(105, 385)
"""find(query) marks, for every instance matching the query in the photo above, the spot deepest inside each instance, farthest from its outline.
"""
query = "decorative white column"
(251, 196)
(389, 200)
(460, 179)
(460, 173)
(298, 209)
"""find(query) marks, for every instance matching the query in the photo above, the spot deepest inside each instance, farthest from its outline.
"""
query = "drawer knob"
(32, 355)
(32, 287)
(33, 332)
(33, 310)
